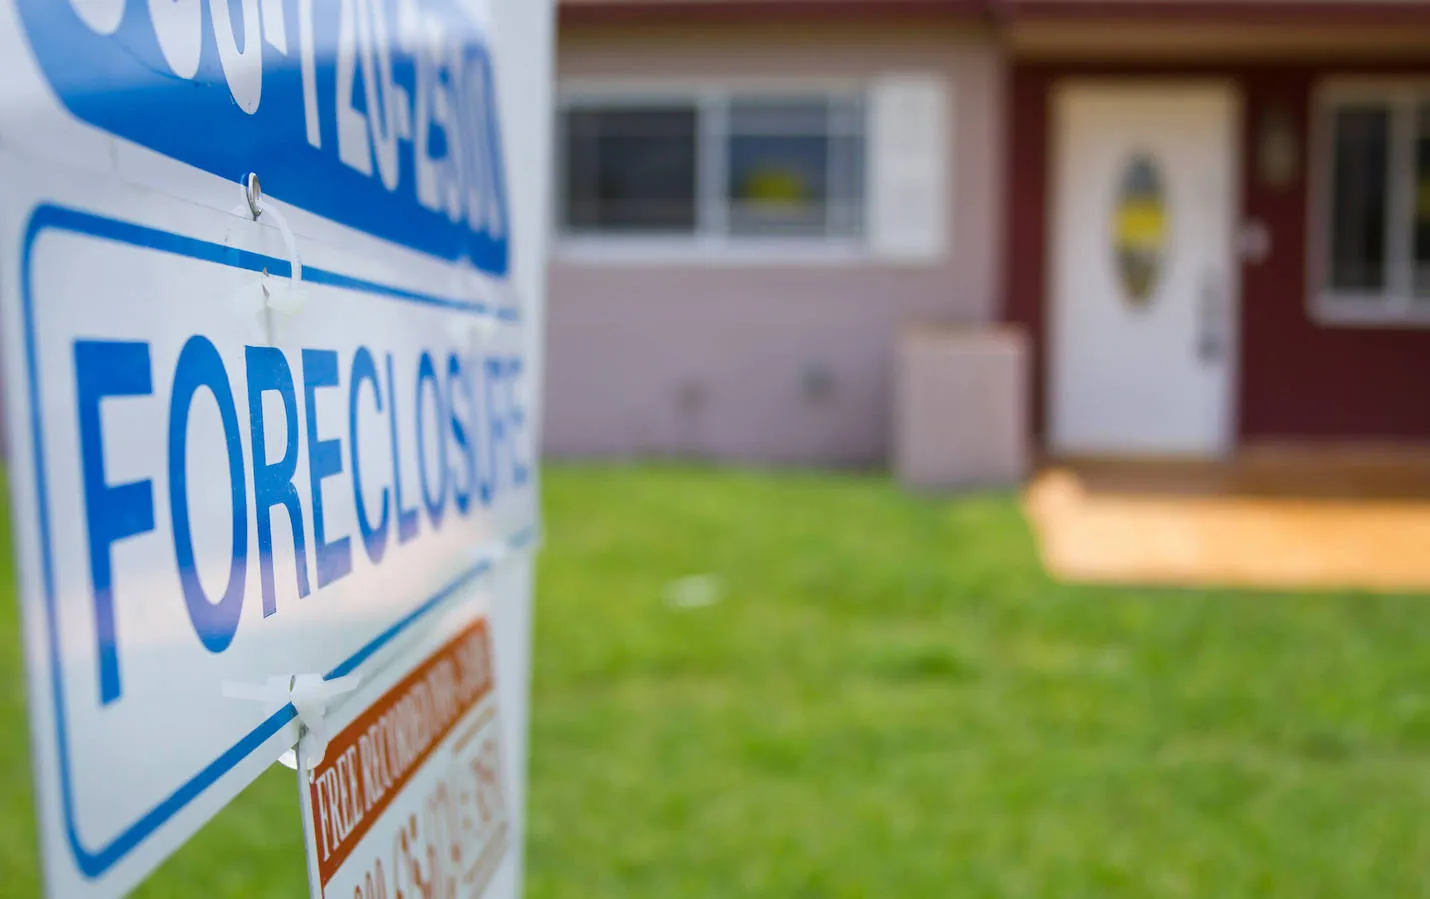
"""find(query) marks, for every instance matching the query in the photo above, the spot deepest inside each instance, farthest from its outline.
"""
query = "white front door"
(1142, 282)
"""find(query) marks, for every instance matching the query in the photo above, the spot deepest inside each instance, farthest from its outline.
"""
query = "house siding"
(1299, 378)
(717, 359)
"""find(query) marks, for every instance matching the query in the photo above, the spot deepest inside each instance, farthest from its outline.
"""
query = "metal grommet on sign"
(253, 192)
(270, 297)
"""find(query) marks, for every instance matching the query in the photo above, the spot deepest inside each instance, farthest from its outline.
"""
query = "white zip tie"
(309, 694)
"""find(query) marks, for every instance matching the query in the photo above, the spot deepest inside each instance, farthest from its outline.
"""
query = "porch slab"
(1275, 521)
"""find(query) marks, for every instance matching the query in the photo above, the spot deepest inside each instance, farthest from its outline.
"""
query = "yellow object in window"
(1141, 224)
(774, 187)
(1140, 230)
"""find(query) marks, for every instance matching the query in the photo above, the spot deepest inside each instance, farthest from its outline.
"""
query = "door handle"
(1211, 319)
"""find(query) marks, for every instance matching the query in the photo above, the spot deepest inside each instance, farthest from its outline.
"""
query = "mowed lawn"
(889, 699)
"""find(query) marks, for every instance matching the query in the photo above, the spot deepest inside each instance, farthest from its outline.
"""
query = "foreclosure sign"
(408, 799)
(269, 297)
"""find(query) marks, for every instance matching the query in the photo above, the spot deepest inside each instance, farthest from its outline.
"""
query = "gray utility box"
(961, 410)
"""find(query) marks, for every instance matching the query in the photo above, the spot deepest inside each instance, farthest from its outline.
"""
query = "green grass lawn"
(891, 700)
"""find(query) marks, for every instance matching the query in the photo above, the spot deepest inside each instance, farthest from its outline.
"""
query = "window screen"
(1360, 176)
(631, 169)
(795, 167)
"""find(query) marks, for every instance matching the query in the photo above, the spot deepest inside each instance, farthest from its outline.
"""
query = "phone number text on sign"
(408, 800)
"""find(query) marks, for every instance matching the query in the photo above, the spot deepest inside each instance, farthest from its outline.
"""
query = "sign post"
(270, 302)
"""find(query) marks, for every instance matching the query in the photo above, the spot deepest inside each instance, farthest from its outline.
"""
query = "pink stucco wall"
(773, 361)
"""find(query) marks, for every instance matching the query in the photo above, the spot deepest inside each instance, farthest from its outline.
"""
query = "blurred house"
(1209, 220)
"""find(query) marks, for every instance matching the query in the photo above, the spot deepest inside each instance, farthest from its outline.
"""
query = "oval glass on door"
(1140, 223)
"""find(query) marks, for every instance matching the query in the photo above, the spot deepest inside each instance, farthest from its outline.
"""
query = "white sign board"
(253, 436)
(408, 799)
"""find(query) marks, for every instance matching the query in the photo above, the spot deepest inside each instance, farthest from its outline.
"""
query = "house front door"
(1142, 281)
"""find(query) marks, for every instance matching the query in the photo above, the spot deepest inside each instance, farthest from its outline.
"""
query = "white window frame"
(1397, 305)
(710, 242)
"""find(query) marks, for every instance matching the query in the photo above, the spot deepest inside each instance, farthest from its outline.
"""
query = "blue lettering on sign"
(112, 512)
(200, 365)
(373, 537)
(268, 372)
(378, 114)
(117, 511)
